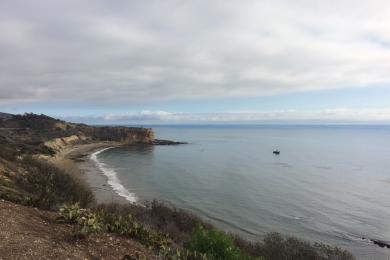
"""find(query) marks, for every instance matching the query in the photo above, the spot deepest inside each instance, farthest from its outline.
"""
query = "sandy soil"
(28, 233)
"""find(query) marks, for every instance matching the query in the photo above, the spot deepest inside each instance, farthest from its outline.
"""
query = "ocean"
(329, 184)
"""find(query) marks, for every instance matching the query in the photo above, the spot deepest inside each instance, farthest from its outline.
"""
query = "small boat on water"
(276, 152)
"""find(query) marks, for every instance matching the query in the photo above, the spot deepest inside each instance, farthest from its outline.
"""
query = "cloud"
(337, 115)
(137, 52)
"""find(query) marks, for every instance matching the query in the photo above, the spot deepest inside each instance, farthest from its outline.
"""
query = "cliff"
(127, 135)
(32, 134)
(58, 144)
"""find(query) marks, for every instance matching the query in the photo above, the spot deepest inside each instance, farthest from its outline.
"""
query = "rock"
(166, 142)
(381, 243)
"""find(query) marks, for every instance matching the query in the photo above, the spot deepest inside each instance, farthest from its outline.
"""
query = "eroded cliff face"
(58, 144)
(88, 134)
(126, 135)
(40, 134)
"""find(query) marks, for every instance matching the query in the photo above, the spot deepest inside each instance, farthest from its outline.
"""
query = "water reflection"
(142, 149)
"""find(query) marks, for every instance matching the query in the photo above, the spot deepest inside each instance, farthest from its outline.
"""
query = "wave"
(112, 178)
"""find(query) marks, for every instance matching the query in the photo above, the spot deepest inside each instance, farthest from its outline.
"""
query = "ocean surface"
(329, 184)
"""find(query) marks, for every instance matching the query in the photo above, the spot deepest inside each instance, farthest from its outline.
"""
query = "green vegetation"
(215, 244)
(89, 221)
(202, 241)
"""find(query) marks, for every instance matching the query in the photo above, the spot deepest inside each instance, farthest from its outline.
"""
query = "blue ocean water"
(329, 184)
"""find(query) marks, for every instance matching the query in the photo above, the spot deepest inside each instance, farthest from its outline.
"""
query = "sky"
(178, 62)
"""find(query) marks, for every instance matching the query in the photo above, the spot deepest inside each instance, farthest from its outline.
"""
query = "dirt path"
(28, 233)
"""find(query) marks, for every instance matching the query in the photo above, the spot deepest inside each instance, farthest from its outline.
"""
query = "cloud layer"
(340, 115)
(141, 51)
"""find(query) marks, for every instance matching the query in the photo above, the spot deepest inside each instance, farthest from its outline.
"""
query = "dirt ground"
(29, 233)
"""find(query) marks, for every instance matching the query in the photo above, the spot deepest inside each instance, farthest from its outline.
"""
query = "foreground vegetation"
(172, 233)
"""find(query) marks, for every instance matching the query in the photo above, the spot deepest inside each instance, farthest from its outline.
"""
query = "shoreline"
(76, 161)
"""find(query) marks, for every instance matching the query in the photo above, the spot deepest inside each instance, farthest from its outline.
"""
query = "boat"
(276, 152)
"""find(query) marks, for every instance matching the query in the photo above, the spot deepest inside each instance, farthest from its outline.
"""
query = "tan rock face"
(144, 136)
(60, 143)
(60, 125)
(150, 134)
(118, 134)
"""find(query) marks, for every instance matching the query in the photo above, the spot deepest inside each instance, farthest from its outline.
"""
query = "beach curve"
(112, 177)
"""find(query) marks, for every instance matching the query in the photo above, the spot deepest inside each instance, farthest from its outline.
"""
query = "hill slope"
(5, 116)
(29, 133)
(28, 233)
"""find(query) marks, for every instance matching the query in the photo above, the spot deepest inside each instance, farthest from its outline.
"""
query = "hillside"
(30, 134)
(5, 116)
(41, 236)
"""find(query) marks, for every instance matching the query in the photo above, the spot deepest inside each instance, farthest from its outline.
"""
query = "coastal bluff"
(41, 134)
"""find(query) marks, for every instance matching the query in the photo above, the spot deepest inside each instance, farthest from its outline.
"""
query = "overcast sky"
(197, 61)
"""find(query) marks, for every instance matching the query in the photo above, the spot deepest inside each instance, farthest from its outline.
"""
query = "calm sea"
(329, 184)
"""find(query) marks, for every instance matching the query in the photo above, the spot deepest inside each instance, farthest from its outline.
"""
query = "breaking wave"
(112, 178)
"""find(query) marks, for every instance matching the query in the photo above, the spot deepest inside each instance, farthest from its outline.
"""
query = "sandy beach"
(75, 160)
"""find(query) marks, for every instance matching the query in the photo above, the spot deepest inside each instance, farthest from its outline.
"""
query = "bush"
(215, 244)
(8, 151)
(89, 221)
(184, 230)
(50, 187)
(275, 246)
(177, 224)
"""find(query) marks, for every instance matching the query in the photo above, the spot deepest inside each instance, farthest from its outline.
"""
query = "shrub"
(183, 227)
(215, 244)
(50, 186)
(177, 224)
(89, 221)
(275, 246)
(8, 151)
(12, 195)
(182, 254)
